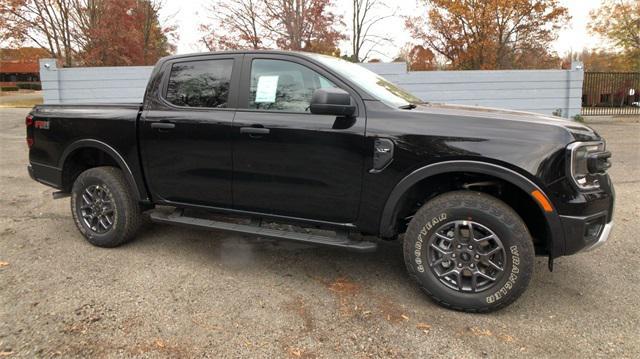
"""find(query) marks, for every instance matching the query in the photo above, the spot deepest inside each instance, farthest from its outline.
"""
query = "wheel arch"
(114, 158)
(391, 210)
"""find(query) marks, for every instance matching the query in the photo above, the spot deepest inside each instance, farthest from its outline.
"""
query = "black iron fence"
(611, 93)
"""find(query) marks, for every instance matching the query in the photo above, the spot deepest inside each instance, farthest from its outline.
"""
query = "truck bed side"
(62, 132)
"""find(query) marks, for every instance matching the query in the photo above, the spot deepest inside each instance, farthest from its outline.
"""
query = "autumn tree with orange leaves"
(421, 59)
(121, 32)
(307, 25)
(491, 34)
(88, 32)
(619, 22)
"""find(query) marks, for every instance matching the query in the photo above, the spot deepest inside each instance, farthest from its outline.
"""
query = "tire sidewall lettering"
(419, 243)
(511, 279)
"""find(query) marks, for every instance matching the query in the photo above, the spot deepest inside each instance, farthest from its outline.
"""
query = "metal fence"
(611, 93)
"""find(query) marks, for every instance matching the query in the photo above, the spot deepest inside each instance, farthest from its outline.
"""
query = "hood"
(579, 131)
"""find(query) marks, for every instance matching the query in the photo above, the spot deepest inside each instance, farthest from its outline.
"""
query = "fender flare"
(92, 143)
(387, 221)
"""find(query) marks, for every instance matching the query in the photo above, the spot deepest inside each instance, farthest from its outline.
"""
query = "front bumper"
(584, 233)
(604, 236)
(587, 219)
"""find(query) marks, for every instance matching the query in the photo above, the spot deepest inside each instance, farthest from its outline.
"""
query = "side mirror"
(332, 101)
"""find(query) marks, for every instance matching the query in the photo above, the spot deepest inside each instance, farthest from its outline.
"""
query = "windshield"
(371, 82)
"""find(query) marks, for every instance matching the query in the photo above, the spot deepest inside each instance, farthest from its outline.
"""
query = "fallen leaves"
(162, 346)
(3, 264)
(300, 353)
(481, 332)
(5, 353)
(345, 290)
(391, 311)
(478, 332)
(506, 338)
(295, 352)
(343, 285)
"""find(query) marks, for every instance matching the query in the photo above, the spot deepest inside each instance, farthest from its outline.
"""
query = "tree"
(490, 34)
(139, 40)
(619, 22)
(241, 25)
(600, 61)
(421, 59)
(363, 20)
(45, 23)
(89, 32)
(307, 25)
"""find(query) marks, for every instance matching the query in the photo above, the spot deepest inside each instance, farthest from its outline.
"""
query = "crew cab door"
(185, 130)
(287, 161)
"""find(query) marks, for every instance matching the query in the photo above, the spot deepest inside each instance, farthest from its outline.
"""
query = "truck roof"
(249, 51)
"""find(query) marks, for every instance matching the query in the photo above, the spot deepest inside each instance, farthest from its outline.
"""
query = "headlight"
(587, 160)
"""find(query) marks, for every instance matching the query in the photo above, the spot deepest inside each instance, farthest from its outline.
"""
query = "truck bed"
(60, 129)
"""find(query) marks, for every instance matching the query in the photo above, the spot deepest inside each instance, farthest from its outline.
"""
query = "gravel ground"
(175, 292)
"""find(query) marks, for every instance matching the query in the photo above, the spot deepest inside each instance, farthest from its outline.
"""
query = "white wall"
(542, 91)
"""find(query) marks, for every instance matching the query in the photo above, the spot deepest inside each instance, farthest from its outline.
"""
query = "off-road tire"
(493, 214)
(127, 216)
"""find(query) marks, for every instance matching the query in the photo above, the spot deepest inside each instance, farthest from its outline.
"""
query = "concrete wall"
(542, 91)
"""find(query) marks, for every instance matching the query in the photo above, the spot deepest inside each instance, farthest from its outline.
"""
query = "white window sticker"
(266, 91)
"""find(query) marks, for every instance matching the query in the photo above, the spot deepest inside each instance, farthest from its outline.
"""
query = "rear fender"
(138, 191)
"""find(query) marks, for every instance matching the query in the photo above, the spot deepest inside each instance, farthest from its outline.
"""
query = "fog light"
(593, 229)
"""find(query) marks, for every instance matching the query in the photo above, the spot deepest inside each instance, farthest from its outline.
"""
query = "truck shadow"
(381, 274)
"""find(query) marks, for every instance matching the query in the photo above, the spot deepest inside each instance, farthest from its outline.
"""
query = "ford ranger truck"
(238, 141)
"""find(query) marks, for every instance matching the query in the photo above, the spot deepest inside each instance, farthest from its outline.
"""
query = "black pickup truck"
(239, 141)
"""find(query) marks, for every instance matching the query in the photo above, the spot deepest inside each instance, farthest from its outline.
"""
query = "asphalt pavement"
(176, 292)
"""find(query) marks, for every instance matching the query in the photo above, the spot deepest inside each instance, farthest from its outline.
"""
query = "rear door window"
(203, 83)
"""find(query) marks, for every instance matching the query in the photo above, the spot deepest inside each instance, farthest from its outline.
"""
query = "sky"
(188, 14)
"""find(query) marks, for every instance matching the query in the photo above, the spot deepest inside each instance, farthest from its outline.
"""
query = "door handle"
(163, 125)
(255, 131)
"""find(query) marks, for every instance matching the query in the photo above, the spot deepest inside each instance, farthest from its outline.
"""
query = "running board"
(341, 240)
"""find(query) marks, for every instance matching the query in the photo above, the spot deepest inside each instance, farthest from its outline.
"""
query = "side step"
(340, 240)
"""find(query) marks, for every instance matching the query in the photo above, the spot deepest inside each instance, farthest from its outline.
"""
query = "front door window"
(278, 85)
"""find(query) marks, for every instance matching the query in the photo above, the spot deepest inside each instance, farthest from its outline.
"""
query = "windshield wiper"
(410, 106)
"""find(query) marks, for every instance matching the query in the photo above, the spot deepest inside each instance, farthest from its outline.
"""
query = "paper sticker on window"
(266, 91)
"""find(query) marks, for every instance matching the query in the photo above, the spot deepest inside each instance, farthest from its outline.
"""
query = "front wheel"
(469, 251)
(104, 207)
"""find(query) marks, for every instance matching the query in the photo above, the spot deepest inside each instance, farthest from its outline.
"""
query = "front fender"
(392, 205)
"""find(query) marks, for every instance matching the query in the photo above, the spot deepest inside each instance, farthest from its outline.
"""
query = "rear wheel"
(104, 207)
(469, 251)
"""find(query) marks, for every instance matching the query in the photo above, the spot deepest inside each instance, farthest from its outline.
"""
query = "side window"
(202, 83)
(279, 85)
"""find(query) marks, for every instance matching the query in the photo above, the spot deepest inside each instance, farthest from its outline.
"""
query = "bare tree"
(308, 25)
(239, 22)
(366, 15)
